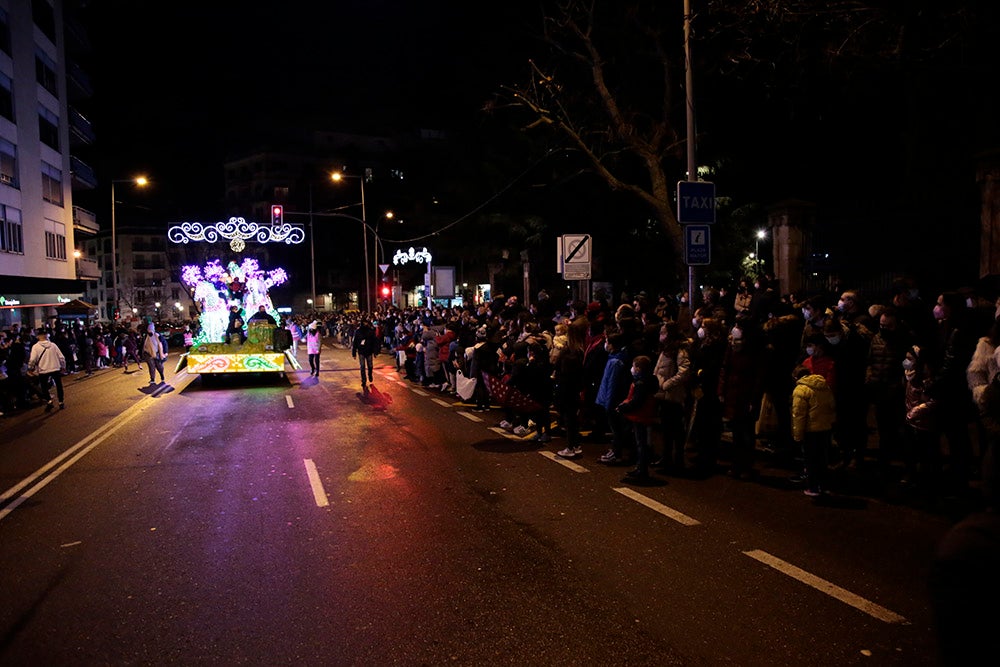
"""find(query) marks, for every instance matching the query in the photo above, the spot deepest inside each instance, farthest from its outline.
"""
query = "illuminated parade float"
(236, 290)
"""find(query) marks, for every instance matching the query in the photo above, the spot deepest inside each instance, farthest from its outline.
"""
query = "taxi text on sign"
(695, 202)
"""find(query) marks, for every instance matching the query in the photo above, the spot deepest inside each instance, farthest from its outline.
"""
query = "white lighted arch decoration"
(422, 257)
(237, 231)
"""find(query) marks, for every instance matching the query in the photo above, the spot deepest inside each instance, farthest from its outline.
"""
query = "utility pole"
(692, 165)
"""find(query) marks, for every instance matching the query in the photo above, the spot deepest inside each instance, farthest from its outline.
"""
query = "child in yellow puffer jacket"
(813, 416)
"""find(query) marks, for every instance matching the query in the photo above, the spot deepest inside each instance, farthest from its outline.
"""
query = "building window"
(55, 240)
(6, 97)
(45, 73)
(52, 185)
(45, 18)
(4, 32)
(11, 238)
(8, 163)
(48, 127)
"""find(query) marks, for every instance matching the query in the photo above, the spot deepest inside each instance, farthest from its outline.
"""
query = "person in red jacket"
(639, 407)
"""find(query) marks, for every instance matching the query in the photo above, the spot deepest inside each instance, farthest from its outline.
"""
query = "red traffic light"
(277, 214)
(386, 291)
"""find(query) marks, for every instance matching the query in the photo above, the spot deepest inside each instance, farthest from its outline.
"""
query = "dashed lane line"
(319, 493)
(443, 403)
(289, 401)
(824, 586)
(471, 417)
(575, 467)
(680, 518)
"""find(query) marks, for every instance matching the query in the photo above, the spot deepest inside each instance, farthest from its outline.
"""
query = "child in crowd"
(813, 416)
(639, 407)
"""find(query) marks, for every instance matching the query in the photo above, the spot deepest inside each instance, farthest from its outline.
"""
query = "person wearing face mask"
(673, 374)
(950, 358)
(884, 386)
(615, 382)
(706, 413)
(853, 330)
(814, 318)
(740, 391)
(639, 408)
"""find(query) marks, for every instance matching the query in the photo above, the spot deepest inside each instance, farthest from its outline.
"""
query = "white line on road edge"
(317, 486)
(41, 477)
(657, 507)
(289, 401)
(440, 401)
(824, 586)
(504, 433)
(468, 415)
(564, 462)
(419, 392)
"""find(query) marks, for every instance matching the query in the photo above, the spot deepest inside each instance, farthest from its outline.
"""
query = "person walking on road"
(48, 361)
(154, 352)
(364, 346)
(314, 342)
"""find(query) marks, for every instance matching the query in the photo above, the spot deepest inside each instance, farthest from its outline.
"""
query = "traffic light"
(386, 291)
(277, 214)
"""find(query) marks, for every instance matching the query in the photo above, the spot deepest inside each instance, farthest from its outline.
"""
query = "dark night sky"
(181, 84)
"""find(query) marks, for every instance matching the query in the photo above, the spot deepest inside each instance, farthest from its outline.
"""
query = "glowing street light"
(761, 234)
(337, 177)
(141, 182)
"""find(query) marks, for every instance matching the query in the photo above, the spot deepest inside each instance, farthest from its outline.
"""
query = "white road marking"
(418, 392)
(575, 467)
(317, 485)
(443, 403)
(289, 401)
(468, 415)
(41, 477)
(824, 586)
(657, 507)
(506, 434)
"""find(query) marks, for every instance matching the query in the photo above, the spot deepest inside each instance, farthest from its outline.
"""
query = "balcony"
(87, 269)
(83, 177)
(84, 221)
(78, 83)
(81, 132)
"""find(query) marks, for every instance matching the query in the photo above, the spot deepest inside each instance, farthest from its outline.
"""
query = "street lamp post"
(761, 234)
(141, 182)
(337, 176)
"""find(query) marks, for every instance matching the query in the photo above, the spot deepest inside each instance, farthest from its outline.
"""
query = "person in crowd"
(851, 343)
(615, 383)
(922, 433)
(131, 344)
(639, 408)
(433, 373)
(443, 340)
(595, 357)
(781, 350)
(101, 347)
(814, 318)
(955, 346)
(85, 349)
(364, 346)
(49, 363)
(154, 352)
(983, 367)
(741, 302)
(534, 380)
(568, 382)
(314, 345)
(482, 363)
(813, 413)
(740, 390)
(188, 338)
(67, 345)
(884, 386)
(820, 360)
(673, 375)
(707, 356)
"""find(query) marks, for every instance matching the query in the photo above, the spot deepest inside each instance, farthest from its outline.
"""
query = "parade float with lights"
(218, 288)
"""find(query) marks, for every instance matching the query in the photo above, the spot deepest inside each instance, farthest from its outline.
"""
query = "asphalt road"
(293, 520)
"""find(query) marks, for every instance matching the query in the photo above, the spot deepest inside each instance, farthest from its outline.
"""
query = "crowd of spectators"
(905, 372)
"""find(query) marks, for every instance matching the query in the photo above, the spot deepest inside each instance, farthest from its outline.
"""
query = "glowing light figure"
(216, 288)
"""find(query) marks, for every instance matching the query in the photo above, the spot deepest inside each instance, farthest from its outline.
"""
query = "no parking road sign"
(697, 245)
